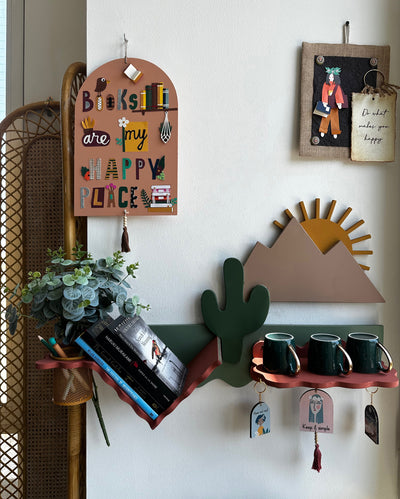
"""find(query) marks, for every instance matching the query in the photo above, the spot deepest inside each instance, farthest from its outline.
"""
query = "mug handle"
(389, 359)
(296, 358)
(349, 361)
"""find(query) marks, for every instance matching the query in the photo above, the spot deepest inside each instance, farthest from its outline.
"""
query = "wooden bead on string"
(125, 237)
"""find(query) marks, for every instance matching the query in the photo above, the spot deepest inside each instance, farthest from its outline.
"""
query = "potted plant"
(74, 293)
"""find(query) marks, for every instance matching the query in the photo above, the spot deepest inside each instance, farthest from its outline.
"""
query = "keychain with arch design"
(371, 419)
(260, 423)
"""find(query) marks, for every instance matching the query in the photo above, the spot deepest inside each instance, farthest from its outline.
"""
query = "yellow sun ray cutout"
(326, 233)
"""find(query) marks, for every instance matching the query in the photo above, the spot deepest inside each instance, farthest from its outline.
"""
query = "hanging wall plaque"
(126, 141)
(330, 73)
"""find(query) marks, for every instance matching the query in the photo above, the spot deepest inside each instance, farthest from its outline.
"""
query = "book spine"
(154, 96)
(143, 100)
(166, 98)
(160, 103)
(149, 396)
(120, 382)
(148, 97)
(133, 363)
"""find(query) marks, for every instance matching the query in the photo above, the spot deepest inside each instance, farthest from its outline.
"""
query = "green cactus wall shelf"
(239, 317)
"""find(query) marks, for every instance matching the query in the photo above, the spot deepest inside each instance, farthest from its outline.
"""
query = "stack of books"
(137, 360)
(154, 96)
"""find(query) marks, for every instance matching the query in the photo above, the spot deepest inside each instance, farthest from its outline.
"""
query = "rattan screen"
(33, 429)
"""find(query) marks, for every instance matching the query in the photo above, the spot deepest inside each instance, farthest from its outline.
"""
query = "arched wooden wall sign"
(126, 141)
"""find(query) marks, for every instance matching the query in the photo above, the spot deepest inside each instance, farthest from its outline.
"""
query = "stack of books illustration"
(137, 360)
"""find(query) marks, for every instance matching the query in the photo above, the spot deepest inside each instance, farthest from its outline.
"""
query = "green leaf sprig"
(74, 293)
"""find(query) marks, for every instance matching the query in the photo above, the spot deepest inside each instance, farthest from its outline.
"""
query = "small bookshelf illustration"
(154, 97)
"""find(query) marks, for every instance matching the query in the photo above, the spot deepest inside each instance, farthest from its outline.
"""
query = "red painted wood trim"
(306, 378)
(198, 370)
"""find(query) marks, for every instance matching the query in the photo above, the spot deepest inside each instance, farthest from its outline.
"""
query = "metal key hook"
(260, 387)
(126, 48)
(372, 393)
(372, 71)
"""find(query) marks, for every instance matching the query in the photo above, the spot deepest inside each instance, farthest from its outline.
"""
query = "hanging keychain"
(316, 415)
(260, 423)
(371, 420)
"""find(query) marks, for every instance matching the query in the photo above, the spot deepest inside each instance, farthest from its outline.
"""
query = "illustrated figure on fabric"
(333, 97)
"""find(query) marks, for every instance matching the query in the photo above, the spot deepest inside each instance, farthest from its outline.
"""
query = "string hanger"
(126, 49)
(346, 32)
(125, 237)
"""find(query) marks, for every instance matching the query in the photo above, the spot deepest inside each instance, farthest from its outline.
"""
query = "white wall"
(232, 54)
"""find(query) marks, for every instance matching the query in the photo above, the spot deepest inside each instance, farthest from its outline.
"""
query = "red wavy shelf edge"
(199, 368)
(306, 378)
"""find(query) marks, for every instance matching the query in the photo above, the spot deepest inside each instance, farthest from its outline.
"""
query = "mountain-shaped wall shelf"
(306, 378)
(294, 269)
(201, 365)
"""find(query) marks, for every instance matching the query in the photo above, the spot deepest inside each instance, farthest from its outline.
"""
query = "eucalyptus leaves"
(77, 292)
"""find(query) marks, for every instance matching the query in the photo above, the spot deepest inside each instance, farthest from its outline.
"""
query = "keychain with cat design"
(260, 414)
(371, 420)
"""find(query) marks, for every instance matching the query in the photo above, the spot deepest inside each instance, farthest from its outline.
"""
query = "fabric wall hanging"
(126, 141)
(330, 74)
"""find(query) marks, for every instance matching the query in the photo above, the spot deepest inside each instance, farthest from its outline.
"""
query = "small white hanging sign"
(373, 130)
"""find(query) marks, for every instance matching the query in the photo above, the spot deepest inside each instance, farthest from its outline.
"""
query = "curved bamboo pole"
(70, 87)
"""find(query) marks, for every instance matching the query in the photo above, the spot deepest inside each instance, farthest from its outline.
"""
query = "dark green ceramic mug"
(279, 354)
(365, 352)
(326, 355)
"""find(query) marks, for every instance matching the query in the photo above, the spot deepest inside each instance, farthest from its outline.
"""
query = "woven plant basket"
(71, 386)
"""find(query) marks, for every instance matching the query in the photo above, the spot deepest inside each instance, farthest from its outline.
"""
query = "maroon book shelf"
(199, 369)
